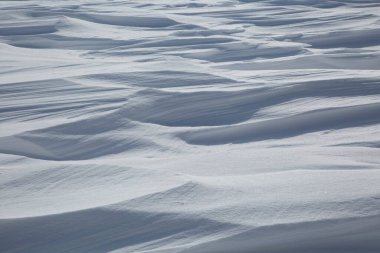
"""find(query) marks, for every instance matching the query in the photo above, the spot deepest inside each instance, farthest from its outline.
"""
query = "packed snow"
(190, 126)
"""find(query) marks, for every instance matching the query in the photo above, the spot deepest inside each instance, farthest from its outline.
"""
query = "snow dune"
(190, 126)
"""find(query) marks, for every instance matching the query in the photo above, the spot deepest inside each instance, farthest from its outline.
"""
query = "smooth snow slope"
(192, 126)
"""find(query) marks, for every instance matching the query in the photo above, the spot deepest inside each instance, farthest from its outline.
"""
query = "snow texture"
(190, 126)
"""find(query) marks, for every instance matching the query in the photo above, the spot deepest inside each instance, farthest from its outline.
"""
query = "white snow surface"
(190, 126)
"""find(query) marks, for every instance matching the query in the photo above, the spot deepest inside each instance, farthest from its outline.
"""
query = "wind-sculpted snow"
(247, 126)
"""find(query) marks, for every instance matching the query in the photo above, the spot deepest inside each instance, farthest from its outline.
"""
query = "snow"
(190, 126)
